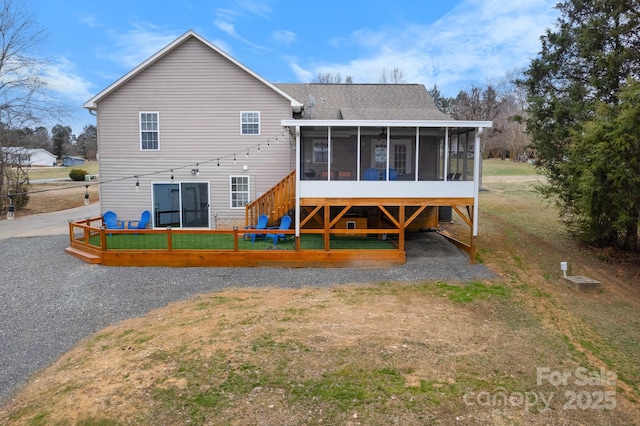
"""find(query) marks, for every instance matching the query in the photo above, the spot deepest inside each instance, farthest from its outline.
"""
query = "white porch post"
(476, 179)
(416, 175)
(298, 170)
(446, 154)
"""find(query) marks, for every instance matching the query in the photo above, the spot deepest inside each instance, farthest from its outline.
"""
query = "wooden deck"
(91, 242)
(326, 240)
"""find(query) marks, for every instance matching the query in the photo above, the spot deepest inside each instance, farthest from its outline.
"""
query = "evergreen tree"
(584, 62)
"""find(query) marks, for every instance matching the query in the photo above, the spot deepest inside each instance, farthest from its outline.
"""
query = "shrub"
(77, 174)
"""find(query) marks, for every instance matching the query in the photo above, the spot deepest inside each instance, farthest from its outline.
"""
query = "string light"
(197, 170)
(11, 207)
(86, 195)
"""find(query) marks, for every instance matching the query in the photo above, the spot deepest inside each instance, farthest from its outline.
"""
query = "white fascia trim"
(384, 123)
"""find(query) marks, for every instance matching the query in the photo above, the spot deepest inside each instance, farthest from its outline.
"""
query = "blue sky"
(453, 44)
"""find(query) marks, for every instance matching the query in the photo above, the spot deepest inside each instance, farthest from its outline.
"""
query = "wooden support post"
(103, 238)
(327, 227)
(235, 238)
(402, 228)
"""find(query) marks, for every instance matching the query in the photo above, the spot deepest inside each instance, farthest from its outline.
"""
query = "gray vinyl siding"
(199, 95)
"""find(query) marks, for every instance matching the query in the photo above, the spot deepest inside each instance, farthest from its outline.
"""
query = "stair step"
(83, 255)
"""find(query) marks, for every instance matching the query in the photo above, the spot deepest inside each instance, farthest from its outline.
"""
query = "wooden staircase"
(275, 203)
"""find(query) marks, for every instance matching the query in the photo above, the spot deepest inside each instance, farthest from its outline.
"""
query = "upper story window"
(250, 122)
(149, 131)
(239, 191)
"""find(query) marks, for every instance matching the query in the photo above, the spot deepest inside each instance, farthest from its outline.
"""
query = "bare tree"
(485, 104)
(329, 78)
(23, 99)
(392, 76)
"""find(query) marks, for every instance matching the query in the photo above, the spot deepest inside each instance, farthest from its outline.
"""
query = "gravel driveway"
(50, 300)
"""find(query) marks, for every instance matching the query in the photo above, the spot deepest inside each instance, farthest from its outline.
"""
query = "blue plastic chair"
(111, 220)
(371, 174)
(263, 220)
(285, 223)
(393, 175)
(142, 223)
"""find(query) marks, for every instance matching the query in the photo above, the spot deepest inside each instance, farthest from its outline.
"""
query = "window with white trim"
(239, 186)
(149, 131)
(250, 122)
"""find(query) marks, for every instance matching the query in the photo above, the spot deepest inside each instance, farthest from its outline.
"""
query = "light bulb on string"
(86, 195)
(247, 152)
(218, 163)
(137, 184)
(258, 148)
(234, 158)
(197, 169)
(171, 175)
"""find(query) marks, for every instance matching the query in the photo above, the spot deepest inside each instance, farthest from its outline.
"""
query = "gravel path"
(50, 300)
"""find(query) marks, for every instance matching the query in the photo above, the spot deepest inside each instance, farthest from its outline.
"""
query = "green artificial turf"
(200, 241)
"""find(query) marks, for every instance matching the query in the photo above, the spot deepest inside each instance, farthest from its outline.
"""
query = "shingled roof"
(365, 101)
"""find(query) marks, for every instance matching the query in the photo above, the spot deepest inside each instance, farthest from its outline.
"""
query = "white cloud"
(255, 7)
(130, 48)
(90, 21)
(62, 79)
(282, 37)
(226, 27)
(301, 73)
(476, 42)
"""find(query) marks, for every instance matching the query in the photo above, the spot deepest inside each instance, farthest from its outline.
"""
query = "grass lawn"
(496, 167)
(39, 173)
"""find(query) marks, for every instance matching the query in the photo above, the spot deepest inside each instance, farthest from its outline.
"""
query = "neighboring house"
(70, 161)
(193, 135)
(28, 157)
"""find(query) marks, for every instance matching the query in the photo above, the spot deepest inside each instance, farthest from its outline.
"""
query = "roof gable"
(91, 104)
(365, 101)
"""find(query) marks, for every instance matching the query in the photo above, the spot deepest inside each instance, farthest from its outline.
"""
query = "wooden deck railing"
(90, 241)
(275, 203)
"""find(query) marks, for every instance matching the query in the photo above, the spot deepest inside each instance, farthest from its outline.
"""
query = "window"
(149, 131)
(250, 122)
(181, 205)
(239, 191)
(400, 158)
(320, 151)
